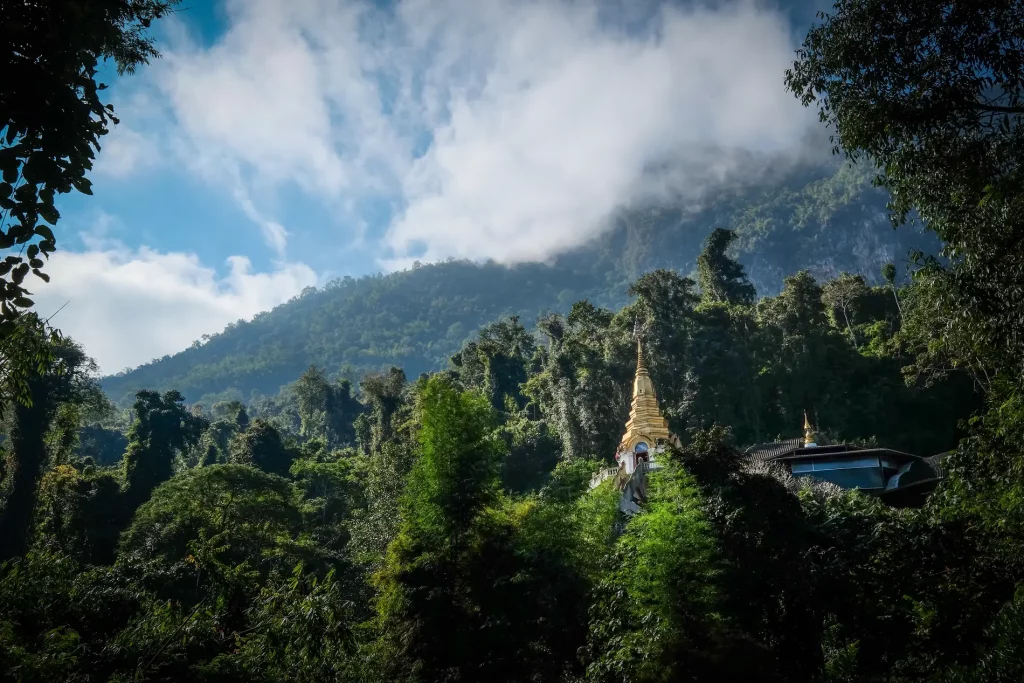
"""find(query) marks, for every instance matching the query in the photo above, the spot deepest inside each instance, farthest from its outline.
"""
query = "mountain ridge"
(825, 219)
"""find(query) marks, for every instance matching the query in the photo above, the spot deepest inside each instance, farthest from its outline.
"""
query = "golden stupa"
(810, 438)
(646, 423)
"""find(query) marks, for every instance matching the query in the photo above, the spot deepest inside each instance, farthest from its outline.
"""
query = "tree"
(665, 311)
(162, 428)
(932, 92)
(842, 294)
(52, 116)
(78, 514)
(800, 352)
(530, 454)
(583, 387)
(261, 446)
(655, 617)
(312, 392)
(757, 522)
(423, 600)
(384, 393)
(306, 632)
(69, 377)
(105, 446)
(722, 278)
(223, 528)
(374, 527)
(889, 275)
(496, 363)
(456, 472)
(333, 487)
(727, 382)
(475, 587)
(242, 418)
(325, 409)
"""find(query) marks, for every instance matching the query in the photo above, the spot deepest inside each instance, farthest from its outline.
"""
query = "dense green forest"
(425, 526)
(827, 220)
(217, 543)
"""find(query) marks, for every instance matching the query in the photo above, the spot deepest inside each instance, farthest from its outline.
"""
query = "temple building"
(899, 479)
(646, 436)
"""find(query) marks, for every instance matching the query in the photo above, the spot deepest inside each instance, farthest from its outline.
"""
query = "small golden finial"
(809, 436)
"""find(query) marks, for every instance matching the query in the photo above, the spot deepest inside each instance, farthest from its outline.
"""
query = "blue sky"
(280, 143)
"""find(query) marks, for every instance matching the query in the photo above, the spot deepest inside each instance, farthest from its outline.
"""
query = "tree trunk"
(849, 327)
(25, 461)
(896, 296)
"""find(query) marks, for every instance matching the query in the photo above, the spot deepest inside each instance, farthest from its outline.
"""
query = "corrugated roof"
(767, 451)
(936, 462)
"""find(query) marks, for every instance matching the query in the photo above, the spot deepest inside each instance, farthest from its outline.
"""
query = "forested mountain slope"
(823, 219)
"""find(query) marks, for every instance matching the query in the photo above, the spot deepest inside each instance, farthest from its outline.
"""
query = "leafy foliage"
(51, 120)
(68, 377)
(721, 278)
(261, 445)
(161, 429)
(214, 524)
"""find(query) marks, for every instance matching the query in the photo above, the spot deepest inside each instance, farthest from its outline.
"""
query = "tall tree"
(384, 393)
(656, 613)
(721, 277)
(68, 377)
(497, 362)
(665, 312)
(841, 296)
(726, 383)
(262, 447)
(889, 275)
(797, 336)
(424, 607)
(375, 527)
(325, 409)
(312, 391)
(162, 428)
(583, 386)
(195, 531)
(456, 473)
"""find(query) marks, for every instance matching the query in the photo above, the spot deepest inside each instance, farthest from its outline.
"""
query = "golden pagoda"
(646, 424)
(810, 438)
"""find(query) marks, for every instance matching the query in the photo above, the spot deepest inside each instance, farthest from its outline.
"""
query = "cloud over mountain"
(503, 129)
(348, 137)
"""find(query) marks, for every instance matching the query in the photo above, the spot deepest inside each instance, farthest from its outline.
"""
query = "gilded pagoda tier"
(646, 423)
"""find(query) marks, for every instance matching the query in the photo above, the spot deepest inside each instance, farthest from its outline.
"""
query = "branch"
(170, 637)
(994, 108)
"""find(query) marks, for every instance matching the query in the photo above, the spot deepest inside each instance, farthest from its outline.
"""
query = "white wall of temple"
(629, 459)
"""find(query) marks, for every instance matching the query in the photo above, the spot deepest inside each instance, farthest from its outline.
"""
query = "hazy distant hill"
(826, 220)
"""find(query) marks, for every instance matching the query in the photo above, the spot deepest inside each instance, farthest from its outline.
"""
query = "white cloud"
(507, 129)
(125, 152)
(127, 306)
(274, 234)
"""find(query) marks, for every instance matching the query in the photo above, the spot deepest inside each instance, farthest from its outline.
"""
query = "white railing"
(606, 473)
(649, 466)
(609, 472)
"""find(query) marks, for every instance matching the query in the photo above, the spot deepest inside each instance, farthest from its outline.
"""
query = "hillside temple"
(899, 479)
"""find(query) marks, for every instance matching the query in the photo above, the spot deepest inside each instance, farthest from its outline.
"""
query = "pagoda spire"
(646, 423)
(810, 437)
(641, 365)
